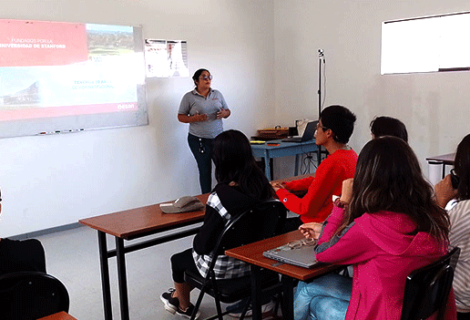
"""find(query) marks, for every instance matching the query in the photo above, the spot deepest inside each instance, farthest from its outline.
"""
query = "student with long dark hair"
(241, 185)
(459, 216)
(203, 108)
(386, 224)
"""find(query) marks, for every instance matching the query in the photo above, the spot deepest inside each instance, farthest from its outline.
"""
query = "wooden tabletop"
(445, 158)
(253, 254)
(145, 220)
(59, 316)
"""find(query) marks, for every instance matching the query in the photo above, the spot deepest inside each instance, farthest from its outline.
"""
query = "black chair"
(29, 295)
(427, 289)
(26, 255)
(261, 222)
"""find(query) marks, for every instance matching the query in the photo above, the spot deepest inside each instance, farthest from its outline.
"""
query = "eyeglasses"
(302, 243)
(209, 77)
(322, 127)
(297, 244)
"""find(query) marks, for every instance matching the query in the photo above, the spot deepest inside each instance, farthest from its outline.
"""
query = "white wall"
(50, 181)
(434, 107)
(263, 55)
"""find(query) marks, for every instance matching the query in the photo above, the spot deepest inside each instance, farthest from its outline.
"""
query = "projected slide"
(55, 69)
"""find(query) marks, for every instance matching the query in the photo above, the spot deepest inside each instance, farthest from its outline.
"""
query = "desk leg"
(121, 264)
(288, 292)
(443, 170)
(267, 165)
(103, 248)
(255, 293)
(296, 166)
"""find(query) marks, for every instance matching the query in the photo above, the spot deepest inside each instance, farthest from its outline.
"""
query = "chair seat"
(231, 290)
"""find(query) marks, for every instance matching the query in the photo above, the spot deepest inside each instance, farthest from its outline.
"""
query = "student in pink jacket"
(386, 224)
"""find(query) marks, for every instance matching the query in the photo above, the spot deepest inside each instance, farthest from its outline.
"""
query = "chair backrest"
(31, 295)
(260, 222)
(26, 255)
(427, 289)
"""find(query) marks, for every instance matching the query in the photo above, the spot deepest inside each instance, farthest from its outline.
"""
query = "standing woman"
(203, 108)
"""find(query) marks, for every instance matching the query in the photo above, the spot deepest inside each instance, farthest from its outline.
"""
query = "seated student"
(387, 126)
(27, 255)
(386, 224)
(334, 129)
(459, 216)
(241, 185)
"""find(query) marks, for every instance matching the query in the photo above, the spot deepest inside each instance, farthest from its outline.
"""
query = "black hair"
(388, 178)
(340, 120)
(462, 168)
(234, 161)
(197, 74)
(387, 126)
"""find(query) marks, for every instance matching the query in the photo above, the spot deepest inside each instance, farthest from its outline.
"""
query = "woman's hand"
(276, 185)
(199, 117)
(311, 230)
(444, 191)
(346, 191)
(223, 113)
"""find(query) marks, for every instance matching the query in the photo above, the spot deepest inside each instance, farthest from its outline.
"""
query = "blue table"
(283, 150)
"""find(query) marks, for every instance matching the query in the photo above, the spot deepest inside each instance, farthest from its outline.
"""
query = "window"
(427, 44)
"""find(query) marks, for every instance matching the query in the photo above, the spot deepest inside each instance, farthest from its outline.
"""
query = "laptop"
(308, 133)
(298, 253)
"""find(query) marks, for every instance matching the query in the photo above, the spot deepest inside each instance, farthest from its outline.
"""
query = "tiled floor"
(72, 257)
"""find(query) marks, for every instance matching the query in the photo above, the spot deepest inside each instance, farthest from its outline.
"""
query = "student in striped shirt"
(458, 193)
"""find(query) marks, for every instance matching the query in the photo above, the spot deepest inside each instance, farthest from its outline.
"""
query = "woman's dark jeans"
(202, 151)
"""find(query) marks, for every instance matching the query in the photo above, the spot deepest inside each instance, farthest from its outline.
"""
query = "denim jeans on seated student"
(326, 297)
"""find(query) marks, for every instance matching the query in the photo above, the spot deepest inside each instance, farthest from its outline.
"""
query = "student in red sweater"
(334, 129)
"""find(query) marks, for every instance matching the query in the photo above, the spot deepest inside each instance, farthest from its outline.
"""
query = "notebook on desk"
(308, 133)
(298, 253)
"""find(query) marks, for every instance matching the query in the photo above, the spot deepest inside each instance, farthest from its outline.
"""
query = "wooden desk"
(59, 316)
(253, 254)
(133, 224)
(283, 150)
(445, 159)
